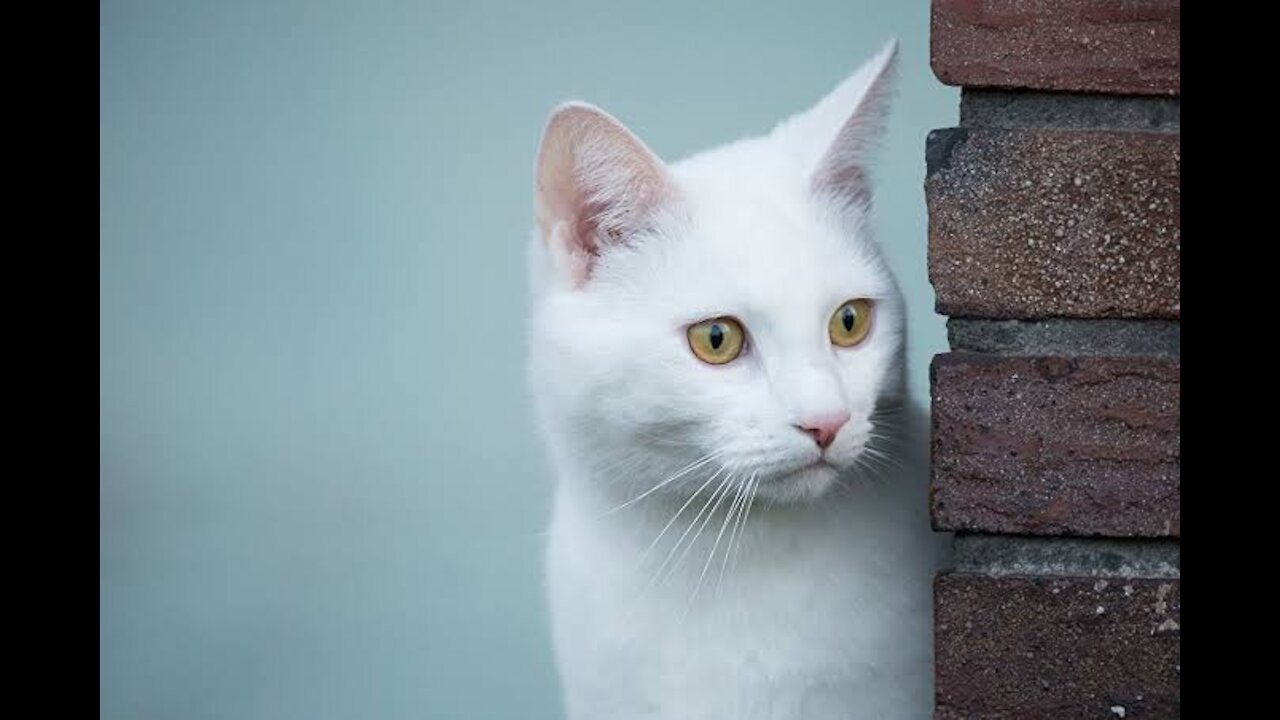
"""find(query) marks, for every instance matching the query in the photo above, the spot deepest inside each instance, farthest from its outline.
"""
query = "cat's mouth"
(821, 462)
(819, 465)
(807, 481)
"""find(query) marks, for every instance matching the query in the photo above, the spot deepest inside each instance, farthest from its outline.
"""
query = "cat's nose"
(823, 428)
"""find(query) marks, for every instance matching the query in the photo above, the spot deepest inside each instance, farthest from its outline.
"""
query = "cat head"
(728, 316)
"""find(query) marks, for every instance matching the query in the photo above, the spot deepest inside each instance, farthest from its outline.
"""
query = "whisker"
(739, 499)
(755, 485)
(724, 486)
(666, 440)
(723, 483)
(712, 555)
(880, 465)
(672, 521)
(883, 457)
(624, 467)
(745, 491)
(686, 470)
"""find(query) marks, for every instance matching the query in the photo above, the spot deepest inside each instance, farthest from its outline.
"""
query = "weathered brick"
(1067, 110)
(1071, 556)
(1057, 647)
(1044, 223)
(1056, 446)
(1062, 336)
(1085, 45)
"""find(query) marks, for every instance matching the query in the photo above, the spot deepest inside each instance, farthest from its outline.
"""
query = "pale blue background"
(321, 489)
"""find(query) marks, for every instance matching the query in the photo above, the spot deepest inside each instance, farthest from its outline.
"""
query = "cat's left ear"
(836, 136)
(597, 185)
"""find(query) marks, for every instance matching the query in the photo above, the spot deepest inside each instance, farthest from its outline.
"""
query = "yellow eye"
(850, 323)
(716, 341)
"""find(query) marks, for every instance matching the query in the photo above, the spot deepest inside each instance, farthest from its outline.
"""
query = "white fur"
(800, 590)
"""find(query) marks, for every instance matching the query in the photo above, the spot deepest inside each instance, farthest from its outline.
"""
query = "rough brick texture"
(1056, 446)
(1063, 110)
(1044, 223)
(1055, 250)
(1058, 336)
(1057, 647)
(1087, 45)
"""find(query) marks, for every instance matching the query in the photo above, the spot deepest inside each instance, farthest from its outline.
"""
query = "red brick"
(1056, 647)
(1056, 446)
(1083, 45)
(1048, 223)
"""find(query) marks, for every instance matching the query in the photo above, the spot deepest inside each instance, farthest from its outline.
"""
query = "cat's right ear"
(835, 137)
(596, 184)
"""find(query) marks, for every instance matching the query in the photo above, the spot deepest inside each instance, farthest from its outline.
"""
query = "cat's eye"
(850, 323)
(716, 341)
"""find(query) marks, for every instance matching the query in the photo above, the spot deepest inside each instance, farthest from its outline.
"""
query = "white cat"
(740, 524)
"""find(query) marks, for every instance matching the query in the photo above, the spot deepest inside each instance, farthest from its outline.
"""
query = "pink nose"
(823, 428)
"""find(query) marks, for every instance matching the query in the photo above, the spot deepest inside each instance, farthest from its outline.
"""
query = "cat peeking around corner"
(739, 528)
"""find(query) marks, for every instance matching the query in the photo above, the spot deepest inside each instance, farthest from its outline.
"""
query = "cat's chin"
(807, 483)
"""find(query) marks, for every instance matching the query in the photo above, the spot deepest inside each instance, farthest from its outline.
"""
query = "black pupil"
(847, 317)
(716, 336)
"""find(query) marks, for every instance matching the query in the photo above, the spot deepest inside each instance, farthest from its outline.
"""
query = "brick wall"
(1054, 248)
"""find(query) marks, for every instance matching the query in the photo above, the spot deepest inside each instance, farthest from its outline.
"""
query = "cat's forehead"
(755, 169)
(751, 211)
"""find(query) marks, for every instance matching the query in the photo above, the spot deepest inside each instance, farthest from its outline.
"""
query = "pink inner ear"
(588, 227)
(835, 136)
(841, 173)
(597, 182)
